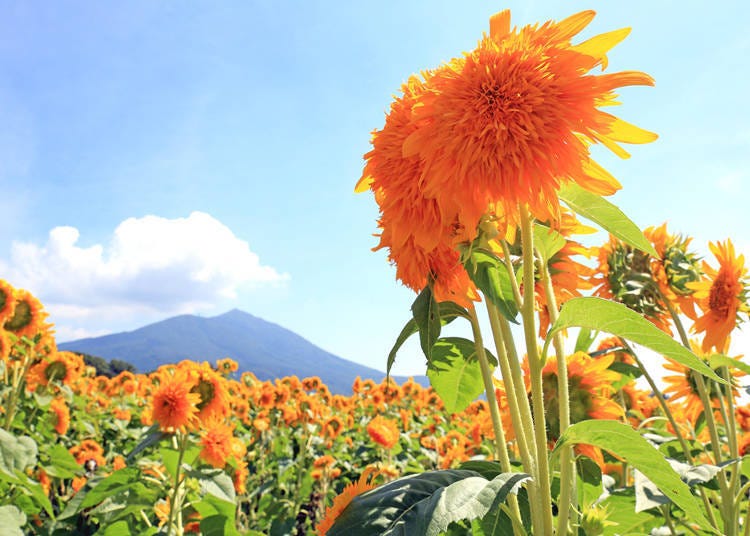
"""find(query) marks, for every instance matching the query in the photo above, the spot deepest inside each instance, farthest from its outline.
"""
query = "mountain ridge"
(264, 348)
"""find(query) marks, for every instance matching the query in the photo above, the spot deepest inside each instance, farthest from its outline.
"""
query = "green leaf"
(590, 486)
(214, 482)
(719, 360)
(449, 311)
(118, 528)
(427, 316)
(585, 339)
(11, 520)
(620, 507)
(491, 276)
(423, 504)
(497, 523)
(623, 441)
(547, 241)
(117, 482)
(487, 469)
(617, 319)
(152, 437)
(607, 215)
(455, 373)
(62, 463)
(16, 452)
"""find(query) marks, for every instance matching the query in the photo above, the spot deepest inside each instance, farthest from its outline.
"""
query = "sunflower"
(7, 301)
(682, 387)
(721, 297)
(343, 499)
(589, 389)
(63, 368)
(173, 405)
(216, 441)
(61, 415)
(383, 431)
(28, 315)
(512, 121)
(210, 386)
(5, 345)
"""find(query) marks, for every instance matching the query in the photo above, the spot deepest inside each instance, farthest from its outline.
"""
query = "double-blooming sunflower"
(721, 297)
(506, 124)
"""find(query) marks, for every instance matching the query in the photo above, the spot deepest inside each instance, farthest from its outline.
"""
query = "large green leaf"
(62, 464)
(547, 241)
(455, 373)
(16, 452)
(426, 313)
(449, 311)
(11, 520)
(117, 482)
(626, 521)
(617, 319)
(621, 440)
(423, 504)
(607, 215)
(490, 275)
(719, 360)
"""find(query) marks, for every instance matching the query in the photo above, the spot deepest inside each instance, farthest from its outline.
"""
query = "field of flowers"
(480, 172)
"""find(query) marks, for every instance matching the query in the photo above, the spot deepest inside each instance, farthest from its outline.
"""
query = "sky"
(161, 158)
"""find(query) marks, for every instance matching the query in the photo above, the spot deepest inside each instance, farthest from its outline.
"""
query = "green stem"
(567, 481)
(174, 507)
(535, 369)
(512, 393)
(512, 273)
(501, 447)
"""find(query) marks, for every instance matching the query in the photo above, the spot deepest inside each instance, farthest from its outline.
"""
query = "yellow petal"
(571, 26)
(625, 132)
(598, 46)
(607, 184)
(500, 25)
(611, 145)
(363, 184)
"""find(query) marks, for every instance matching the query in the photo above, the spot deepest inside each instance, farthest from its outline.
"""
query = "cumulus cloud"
(151, 264)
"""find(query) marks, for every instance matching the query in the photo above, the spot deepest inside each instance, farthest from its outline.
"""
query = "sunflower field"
(547, 423)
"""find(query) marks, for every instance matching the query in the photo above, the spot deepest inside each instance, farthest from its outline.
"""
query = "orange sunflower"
(28, 315)
(512, 120)
(721, 297)
(216, 441)
(7, 301)
(174, 406)
(343, 499)
(383, 431)
(61, 415)
(589, 386)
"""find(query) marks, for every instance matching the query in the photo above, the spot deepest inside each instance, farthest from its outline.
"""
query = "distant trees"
(104, 368)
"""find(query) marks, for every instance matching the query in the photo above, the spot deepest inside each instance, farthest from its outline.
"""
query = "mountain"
(263, 348)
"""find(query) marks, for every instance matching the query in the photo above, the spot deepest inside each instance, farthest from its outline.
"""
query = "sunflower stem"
(513, 391)
(174, 507)
(535, 370)
(501, 447)
(567, 482)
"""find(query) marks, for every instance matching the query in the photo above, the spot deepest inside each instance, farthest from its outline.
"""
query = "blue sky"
(158, 158)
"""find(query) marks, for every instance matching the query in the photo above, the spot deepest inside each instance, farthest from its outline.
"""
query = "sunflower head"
(28, 316)
(681, 266)
(7, 301)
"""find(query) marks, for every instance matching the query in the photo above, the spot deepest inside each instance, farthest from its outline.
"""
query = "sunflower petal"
(598, 46)
(500, 25)
(620, 130)
(573, 25)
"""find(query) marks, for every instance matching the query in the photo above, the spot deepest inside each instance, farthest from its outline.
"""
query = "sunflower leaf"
(455, 373)
(624, 442)
(425, 503)
(547, 241)
(617, 319)
(426, 313)
(491, 276)
(607, 215)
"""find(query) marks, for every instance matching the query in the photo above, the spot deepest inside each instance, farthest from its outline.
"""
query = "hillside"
(264, 348)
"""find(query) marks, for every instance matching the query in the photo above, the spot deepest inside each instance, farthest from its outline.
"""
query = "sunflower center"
(206, 391)
(55, 370)
(21, 318)
(722, 295)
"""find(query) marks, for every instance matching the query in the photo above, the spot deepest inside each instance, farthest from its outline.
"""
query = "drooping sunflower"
(63, 368)
(7, 301)
(722, 296)
(682, 389)
(343, 499)
(28, 315)
(590, 390)
(210, 385)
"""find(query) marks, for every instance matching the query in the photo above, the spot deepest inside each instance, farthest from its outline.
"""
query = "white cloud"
(151, 264)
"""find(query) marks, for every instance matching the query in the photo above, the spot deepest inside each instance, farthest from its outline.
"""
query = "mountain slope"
(264, 348)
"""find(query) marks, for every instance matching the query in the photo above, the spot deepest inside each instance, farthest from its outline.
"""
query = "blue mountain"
(263, 348)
